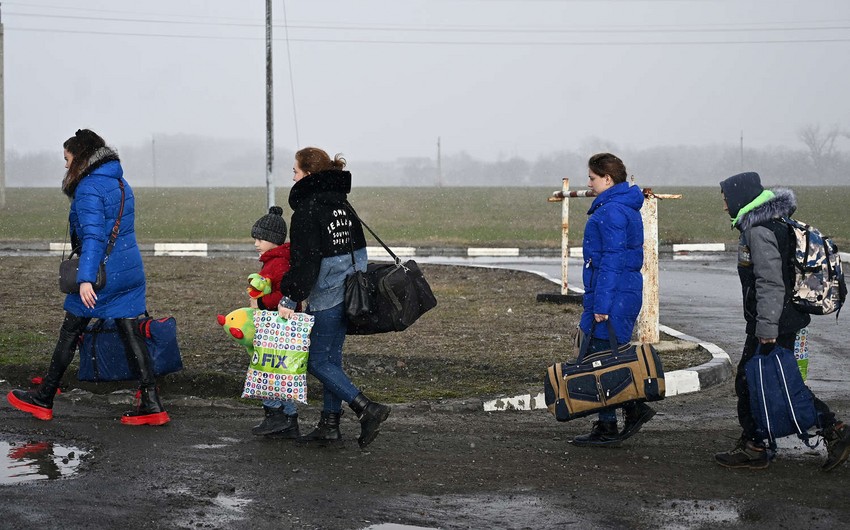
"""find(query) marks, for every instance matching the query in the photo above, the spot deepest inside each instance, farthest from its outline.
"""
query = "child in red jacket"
(269, 233)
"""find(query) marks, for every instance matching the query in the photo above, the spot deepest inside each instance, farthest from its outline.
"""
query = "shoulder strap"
(115, 229)
(112, 236)
(351, 239)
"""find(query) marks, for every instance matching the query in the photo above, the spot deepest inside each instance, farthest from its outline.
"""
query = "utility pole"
(742, 150)
(269, 114)
(153, 159)
(2, 124)
(439, 165)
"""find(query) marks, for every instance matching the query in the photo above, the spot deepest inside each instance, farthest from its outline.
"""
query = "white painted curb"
(501, 252)
(60, 247)
(381, 252)
(699, 247)
(180, 249)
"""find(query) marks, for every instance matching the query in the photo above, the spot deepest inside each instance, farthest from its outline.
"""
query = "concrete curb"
(710, 373)
(204, 249)
(677, 382)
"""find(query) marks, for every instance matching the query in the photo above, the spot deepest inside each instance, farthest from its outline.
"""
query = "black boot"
(603, 433)
(39, 402)
(636, 415)
(371, 416)
(326, 431)
(149, 410)
(277, 423)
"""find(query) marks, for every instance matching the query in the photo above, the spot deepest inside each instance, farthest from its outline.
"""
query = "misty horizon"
(522, 91)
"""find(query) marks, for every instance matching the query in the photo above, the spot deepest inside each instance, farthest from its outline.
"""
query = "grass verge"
(488, 335)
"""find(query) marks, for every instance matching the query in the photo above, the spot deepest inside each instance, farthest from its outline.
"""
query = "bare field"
(418, 217)
(487, 336)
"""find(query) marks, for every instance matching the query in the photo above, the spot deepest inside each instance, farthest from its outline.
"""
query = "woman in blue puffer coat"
(95, 183)
(613, 284)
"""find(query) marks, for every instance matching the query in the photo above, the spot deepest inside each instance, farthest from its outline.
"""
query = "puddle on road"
(690, 514)
(393, 526)
(224, 442)
(30, 461)
(222, 511)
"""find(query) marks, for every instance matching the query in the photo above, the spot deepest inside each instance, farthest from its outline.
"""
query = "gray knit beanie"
(270, 227)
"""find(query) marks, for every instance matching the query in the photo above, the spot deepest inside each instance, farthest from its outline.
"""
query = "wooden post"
(565, 235)
(647, 325)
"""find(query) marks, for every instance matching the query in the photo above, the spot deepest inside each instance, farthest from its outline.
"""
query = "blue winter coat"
(613, 257)
(94, 208)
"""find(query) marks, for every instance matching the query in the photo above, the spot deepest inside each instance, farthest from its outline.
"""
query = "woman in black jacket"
(327, 245)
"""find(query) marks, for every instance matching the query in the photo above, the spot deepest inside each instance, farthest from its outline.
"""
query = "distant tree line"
(196, 161)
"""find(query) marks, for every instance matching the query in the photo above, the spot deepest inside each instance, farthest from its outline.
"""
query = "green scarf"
(765, 196)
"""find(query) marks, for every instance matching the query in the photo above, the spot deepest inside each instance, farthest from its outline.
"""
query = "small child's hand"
(253, 303)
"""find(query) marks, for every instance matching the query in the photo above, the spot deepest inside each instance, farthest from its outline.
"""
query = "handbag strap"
(351, 239)
(585, 344)
(112, 236)
(117, 227)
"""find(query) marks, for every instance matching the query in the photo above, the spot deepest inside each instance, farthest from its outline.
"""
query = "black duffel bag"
(386, 296)
(396, 295)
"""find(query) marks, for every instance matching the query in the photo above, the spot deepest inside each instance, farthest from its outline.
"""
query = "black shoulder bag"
(386, 296)
(68, 267)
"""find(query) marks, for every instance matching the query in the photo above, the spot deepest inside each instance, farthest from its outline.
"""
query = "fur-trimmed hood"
(783, 204)
(101, 156)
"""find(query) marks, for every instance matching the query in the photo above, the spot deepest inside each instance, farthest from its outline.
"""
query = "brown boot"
(745, 454)
(837, 438)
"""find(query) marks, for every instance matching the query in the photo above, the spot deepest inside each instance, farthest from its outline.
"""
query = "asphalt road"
(436, 465)
(700, 295)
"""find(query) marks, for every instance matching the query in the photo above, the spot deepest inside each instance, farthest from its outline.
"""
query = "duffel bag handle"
(585, 343)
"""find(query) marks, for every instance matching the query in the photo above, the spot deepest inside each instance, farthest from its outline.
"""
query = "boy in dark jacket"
(765, 267)
(269, 233)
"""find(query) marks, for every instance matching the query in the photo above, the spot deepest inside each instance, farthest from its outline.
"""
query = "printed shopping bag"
(278, 368)
(801, 351)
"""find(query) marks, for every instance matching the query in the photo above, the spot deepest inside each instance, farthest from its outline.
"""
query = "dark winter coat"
(322, 235)
(275, 264)
(765, 266)
(613, 257)
(94, 208)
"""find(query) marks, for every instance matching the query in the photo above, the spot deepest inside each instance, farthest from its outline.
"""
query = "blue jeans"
(595, 346)
(325, 360)
(289, 407)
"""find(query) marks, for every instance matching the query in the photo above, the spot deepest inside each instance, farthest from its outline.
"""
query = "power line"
(445, 42)
(711, 28)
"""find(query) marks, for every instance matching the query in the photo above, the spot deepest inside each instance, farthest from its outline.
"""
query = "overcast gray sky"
(381, 79)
